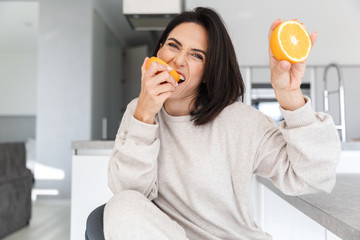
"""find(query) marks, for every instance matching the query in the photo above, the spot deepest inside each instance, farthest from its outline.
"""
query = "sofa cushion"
(12, 161)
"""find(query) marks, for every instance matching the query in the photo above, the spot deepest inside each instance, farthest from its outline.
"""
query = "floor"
(50, 221)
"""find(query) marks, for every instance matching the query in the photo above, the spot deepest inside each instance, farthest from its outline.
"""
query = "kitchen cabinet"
(284, 222)
(89, 182)
(280, 215)
(324, 216)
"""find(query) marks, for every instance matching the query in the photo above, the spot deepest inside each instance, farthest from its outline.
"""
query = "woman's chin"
(173, 96)
(176, 93)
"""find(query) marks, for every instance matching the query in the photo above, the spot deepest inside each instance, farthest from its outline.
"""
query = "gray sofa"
(16, 182)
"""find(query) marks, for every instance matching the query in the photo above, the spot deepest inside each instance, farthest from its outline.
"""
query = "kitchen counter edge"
(324, 208)
(94, 145)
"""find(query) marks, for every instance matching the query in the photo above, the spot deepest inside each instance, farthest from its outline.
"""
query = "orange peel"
(172, 72)
(290, 41)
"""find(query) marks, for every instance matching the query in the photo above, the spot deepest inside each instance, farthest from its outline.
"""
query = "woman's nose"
(180, 59)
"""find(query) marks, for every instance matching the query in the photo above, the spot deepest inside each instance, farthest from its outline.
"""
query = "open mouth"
(182, 79)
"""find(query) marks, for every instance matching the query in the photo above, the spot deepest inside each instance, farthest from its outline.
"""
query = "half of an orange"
(172, 72)
(290, 41)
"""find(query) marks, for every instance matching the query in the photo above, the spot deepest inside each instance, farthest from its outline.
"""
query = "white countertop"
(109, 144)
(350, 146)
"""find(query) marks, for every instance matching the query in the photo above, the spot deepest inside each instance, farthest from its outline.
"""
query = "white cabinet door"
(349, 162)
(89, 190)
(283, 221)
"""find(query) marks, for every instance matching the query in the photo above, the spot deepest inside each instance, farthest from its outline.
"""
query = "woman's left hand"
(286, 77)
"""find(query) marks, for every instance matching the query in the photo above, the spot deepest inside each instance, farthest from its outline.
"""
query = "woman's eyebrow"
(175, 40)
(193, 49)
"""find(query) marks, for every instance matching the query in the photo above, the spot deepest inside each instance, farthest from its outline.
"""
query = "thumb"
(143, 67)
(284, 66)
(280, 68)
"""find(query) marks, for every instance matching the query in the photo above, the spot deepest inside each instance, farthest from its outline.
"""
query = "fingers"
(280, 75)
(164, 88)
(164, 77)
(156, 79)
(160, 73)
(157, 85)
(313, 38)
(313, 35)
(143, 67)
(156, 67)
(284, 66)
(160, 89)
(281, 67)
(273, 26)
(164, 96)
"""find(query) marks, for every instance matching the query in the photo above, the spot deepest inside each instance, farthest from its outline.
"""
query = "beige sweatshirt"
(201, 176)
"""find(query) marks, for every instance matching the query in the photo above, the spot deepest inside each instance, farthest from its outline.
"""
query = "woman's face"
(185, 51)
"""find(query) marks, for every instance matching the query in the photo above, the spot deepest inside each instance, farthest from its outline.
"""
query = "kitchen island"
(338, 211)
(89, 187)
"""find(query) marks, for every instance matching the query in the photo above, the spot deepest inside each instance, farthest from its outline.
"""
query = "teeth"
(182, 79)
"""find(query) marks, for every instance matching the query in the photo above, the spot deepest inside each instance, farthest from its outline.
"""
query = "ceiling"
(111, 12)
(19, 25)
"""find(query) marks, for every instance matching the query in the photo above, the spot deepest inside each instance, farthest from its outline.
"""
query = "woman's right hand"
(157, 85)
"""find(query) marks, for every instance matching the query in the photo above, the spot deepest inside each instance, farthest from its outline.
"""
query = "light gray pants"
(130, 215)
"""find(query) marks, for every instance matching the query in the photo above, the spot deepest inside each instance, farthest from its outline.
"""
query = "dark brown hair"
(223, 82)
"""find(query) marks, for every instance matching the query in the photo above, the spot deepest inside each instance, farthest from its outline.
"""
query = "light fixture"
(154, 15)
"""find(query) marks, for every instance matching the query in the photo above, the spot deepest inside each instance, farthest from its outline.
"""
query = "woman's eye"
(173, 45)
(198, 56)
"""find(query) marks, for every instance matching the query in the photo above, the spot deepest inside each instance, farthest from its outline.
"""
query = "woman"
(185, 153)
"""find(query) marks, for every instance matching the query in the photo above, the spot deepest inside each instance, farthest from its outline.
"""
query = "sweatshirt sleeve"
(301, 156)
(133, 162)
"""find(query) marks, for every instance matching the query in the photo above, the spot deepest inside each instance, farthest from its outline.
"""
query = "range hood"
(151, 15)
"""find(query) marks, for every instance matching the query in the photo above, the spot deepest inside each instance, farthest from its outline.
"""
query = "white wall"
(18, 84)
(337, 23)
(64, 85)
(18, 61)
(79, 83)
